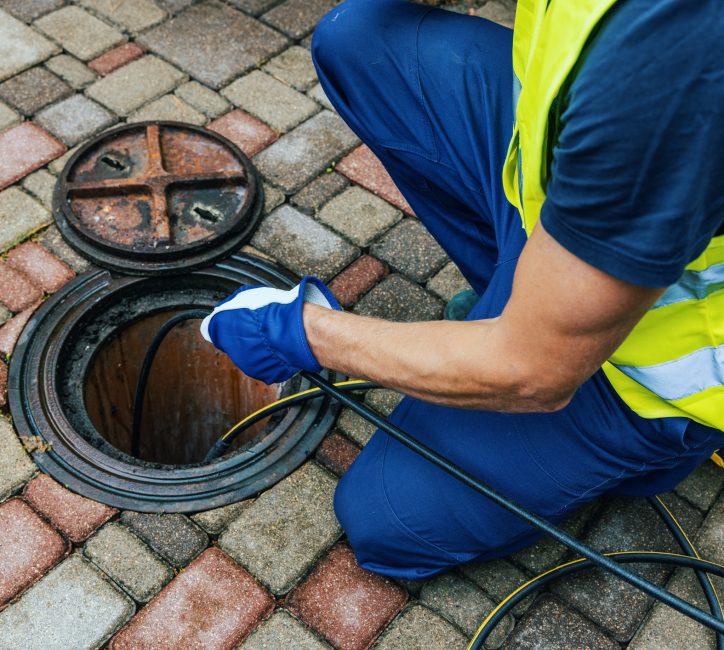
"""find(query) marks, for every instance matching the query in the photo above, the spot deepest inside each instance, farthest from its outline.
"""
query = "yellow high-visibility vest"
(672, 363)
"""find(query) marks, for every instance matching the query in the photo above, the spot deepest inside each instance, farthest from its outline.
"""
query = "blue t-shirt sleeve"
(637, 177)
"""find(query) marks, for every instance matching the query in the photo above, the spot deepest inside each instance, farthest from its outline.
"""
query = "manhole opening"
(194, 393)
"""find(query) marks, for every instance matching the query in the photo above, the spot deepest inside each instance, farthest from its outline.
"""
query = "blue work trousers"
(430, 92)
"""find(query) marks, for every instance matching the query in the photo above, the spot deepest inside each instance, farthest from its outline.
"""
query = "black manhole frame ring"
(186, 489)
(193, 256)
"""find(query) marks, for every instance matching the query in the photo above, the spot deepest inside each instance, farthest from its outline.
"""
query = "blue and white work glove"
(262, 330)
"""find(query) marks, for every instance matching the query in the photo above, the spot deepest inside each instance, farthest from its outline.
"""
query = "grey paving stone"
(294, 67)
(73, 606)
(20, 217)
(203, 99)
(20, 46)
(214, 43)
(80, 33)
(552, 625)
(29, 10)
(272, 101)
(298, 17)
(51, 239)
(5, 316)
(282, 630)
(318, 95)
(75, 119)
(398, 299)
(273, 198)
(133, 15)
(498, 578)
(462, 603)
(8, 117)
(126, 559)
(41, 185)
(73, 71)
(131, 86)
(168, 107)
(300, 155)
(57, 165)
(448, 282)
(355, 427)
(624, 524)
(16, 467)
(29, 91)
(702, 486)
(359, 215)
(383, 400)
(286, 529)
(319, 191)
(417, 628)
(303, 245)
(173, 536)
(214, 521)
(255, 7)
(410, 249)
(498, 12)
(174, 6)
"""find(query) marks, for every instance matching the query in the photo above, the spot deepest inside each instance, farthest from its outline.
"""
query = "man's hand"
(261, 329)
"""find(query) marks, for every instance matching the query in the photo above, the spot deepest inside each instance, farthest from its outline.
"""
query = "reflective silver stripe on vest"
(682, 377)
(693, 285)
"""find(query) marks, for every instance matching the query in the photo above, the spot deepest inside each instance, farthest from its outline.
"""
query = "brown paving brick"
(23, 149)
(116, 58)
(28, 548)
(357, 279)
(245, 131)
(3, 383)
(40, 265)
(364, 168)
(17, 292)
(11, 330)
(337, 453)
(70, 513)
(346, 604)
(214, 603)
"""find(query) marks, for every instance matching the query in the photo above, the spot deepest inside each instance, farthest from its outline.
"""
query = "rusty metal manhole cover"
(157, 197)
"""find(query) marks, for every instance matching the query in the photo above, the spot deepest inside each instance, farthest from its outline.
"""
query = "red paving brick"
(116, 58)
(29, 547)
(70, 513)
(337, 453)
(23, 149)
(40, 265)
(245, 131)
(17, 292)
(213, 603)
(346, 604)
(11, 330)
(3, 383)
(357, 279)
(364, 168)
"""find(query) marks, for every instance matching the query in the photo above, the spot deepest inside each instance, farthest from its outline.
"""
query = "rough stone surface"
(41, 185)
(28, 548)
(74, 515)
(214, 603)
(318, 95)
(216, 520)
(273, 198)
(173, 536)
(54, 242)
(346, 604)
(20, 46)
(214, 43)
(281, 534)
(71, 607)
(362, 217)
(337, 453)
(282, 630)
(131, 86)
(133, 15)
(10, 331)
(383, 400)
(498, 13)
(448, 282)
(23, 149)
(303, 245)
(75, 119)
(169, 107)
(498, 578)
(398, 299)
(126, 559)
(174, 6)
(71, 70)
(355, 427)
(255, 7)
(245, 131)
(41, 267)
(16, 291)
(8, 116)
(319, 191)
(15, 465)
(357, 279)
(410, 249)
(270, 100)
(702, 486)
(29, 91)
(4, 315)
(303, 153)
(80, 33)
(115, 58)
(203, 99)
(29, 10)
(294, 67)
(298, 17)
(420, 629)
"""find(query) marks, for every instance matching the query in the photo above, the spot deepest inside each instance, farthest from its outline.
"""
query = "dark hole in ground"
(194, 394)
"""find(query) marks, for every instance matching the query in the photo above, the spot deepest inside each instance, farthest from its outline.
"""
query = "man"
(593, 361)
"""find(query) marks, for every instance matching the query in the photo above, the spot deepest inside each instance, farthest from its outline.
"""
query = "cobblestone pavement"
(275, 571)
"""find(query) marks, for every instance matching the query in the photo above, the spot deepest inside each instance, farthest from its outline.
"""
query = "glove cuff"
(314, 291)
